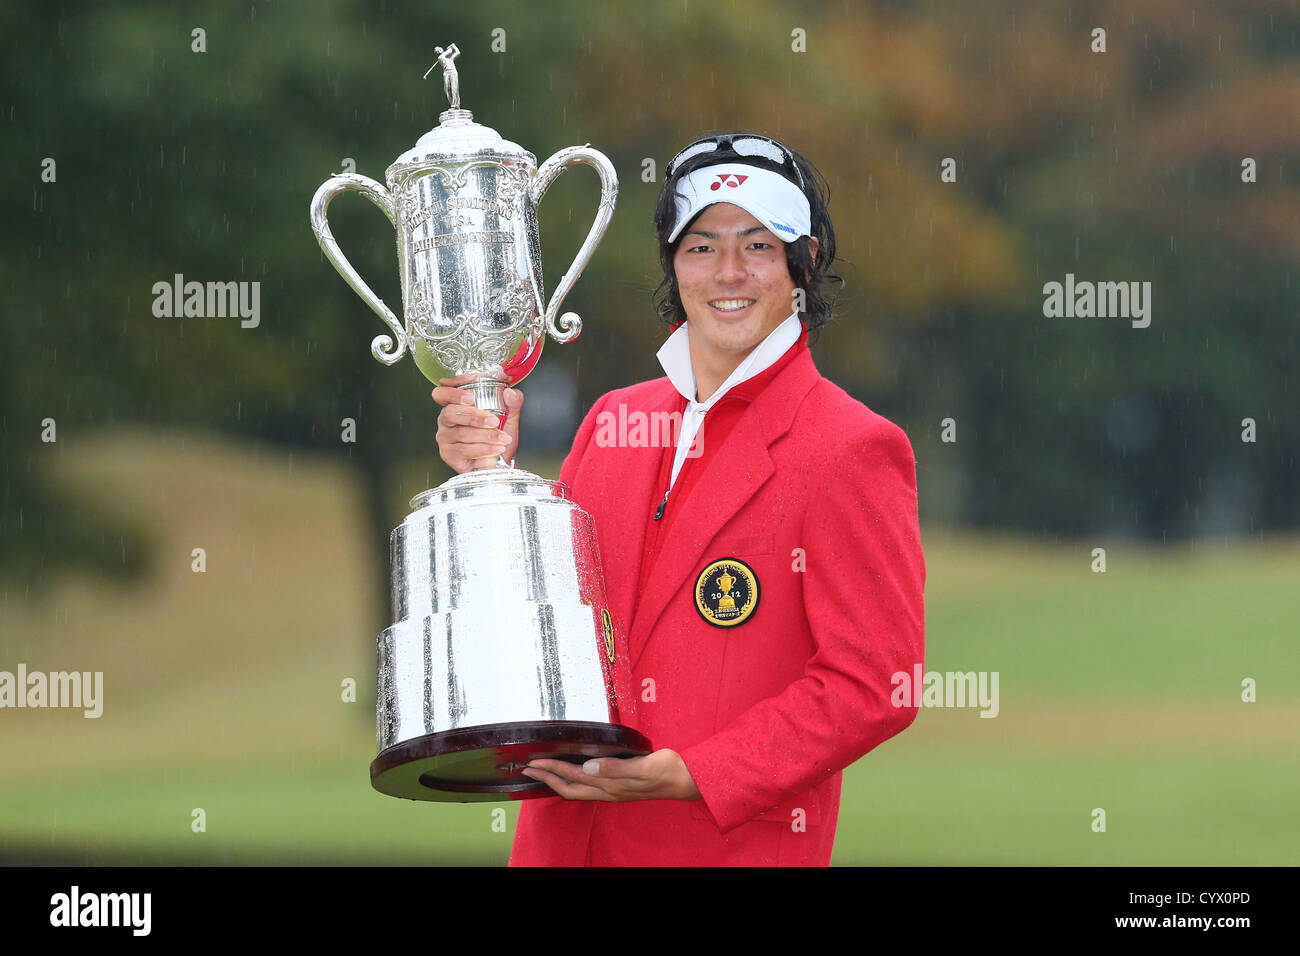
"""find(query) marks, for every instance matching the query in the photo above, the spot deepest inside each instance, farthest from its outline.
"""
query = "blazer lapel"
(629, 479)
(731, 477)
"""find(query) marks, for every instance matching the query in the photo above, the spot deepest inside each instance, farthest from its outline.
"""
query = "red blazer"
(768, 712)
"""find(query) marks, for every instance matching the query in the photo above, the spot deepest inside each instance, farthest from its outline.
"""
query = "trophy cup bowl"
(502, 647)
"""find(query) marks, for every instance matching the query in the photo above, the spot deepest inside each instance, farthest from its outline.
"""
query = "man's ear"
(812, 247)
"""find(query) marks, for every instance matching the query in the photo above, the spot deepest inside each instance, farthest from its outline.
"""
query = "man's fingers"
(479, 451)
(460, 379)
(452, 397)
(614, 768)
(464, 435)
(562, 787)
(513, 399)
(449, 389)
(562, 768)
(627, 770)
(466, 415)
(565, 779)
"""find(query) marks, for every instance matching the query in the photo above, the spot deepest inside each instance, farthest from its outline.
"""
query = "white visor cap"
(769, 197)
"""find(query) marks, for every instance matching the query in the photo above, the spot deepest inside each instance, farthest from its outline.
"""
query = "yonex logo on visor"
(728, 179)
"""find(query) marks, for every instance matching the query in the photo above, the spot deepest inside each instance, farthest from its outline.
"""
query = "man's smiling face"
(734, 283)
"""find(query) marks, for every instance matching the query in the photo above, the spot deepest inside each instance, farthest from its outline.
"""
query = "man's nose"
(731, 266)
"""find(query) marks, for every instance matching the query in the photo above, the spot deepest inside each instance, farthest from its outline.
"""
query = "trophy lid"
(457, 136)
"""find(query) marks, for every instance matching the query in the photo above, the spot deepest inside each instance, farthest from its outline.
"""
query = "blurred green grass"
(223, 691)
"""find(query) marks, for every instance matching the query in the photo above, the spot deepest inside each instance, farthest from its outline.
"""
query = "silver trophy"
(502, 647)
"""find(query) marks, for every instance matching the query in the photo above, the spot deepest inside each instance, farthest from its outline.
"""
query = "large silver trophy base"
(502, 650)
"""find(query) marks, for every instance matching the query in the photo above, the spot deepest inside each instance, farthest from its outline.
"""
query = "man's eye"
(764, 245)
(696, 248)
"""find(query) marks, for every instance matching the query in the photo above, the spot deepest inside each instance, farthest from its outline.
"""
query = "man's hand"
(466, 440)
(661, 775)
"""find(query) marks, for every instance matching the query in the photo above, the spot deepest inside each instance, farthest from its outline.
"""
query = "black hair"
(807, 273)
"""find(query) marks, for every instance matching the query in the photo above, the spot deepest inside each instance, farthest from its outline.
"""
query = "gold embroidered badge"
(726, 592)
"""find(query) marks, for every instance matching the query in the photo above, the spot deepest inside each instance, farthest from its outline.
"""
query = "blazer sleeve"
(863, 593)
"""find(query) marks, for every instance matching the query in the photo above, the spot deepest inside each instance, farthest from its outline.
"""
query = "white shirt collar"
(675, 356)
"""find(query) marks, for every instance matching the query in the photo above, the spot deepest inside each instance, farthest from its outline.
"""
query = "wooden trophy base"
(485, 762)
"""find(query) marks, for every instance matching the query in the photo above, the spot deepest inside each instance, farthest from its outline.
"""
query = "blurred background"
(128, 440)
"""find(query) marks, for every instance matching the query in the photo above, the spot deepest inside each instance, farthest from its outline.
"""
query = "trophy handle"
(567, 326)
(385, 349)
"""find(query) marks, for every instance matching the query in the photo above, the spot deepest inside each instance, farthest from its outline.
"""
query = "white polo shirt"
(675, 356)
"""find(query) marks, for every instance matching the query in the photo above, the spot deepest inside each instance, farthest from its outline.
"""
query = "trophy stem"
(488, 397)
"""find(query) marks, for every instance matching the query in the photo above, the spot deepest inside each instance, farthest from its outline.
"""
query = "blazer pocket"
(784, 813)
(729, 547)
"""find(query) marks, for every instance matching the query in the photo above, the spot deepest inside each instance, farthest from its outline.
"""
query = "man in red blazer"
(762, 558)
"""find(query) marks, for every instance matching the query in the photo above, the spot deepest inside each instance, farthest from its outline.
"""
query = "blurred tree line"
(1117, 166)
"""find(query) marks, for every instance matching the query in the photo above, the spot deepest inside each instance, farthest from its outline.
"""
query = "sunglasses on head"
(742, 144)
